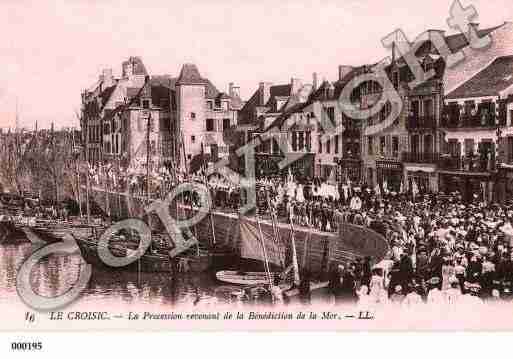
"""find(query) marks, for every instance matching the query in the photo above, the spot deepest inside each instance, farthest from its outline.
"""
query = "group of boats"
(258, 253)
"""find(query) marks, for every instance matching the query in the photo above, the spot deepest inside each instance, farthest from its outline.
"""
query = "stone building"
(407, 149)
(477, 127)
(203, 115)
(308, 127)
(175, 118)
(261, 114)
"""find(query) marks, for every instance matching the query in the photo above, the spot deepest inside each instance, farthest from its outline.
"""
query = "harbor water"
(55, 274)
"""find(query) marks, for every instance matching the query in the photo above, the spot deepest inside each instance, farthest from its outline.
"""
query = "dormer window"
(395, 77)
(428, 65)
(146, 104)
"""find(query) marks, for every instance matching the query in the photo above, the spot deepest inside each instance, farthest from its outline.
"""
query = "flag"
(377, 190)
(290, 177)
(385, 186)
(332, 178)
(414, 188)
(401, 188)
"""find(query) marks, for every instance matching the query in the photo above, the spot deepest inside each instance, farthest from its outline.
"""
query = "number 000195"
(26, 346)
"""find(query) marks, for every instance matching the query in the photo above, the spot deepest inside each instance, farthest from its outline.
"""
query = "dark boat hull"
(11, 234)
(57, 232)
(147, 262)
(316, 251)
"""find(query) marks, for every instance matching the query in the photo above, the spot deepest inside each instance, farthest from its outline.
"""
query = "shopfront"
(424, 176)
(268, 165)
(421, 179)
(392, 172)
(503, 191)
(350, 168)
(471, 186)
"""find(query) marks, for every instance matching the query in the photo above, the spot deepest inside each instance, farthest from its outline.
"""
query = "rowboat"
(156, 259)
(55, 231)
(245, 278)
(148, 262)
(10, 233)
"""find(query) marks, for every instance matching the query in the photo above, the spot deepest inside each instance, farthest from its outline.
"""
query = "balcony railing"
(473, 121)
(421, 122)
(466, 163)
(420, 157)
(351, 133)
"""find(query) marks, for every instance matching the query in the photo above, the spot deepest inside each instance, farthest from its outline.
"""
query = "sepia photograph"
(256, 166)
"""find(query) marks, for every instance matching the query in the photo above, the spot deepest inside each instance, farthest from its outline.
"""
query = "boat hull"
(245, 278)
(147, 263)
(10, 233)
(316, 251)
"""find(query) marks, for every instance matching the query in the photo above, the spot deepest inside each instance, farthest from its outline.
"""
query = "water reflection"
(55, 274)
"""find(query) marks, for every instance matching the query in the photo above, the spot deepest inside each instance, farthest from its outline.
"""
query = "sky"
(52, 50)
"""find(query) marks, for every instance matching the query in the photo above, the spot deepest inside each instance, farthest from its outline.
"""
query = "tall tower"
(191, 93)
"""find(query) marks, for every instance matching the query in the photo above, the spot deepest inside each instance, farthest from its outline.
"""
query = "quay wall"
(316, 251)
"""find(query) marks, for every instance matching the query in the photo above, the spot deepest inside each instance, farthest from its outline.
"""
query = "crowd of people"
(441, 250)
(440, 247)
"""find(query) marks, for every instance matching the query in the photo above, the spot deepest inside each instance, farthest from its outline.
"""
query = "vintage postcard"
(256, 166)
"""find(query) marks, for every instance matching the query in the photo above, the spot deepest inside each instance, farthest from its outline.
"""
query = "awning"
(465, 174)
(420, 169)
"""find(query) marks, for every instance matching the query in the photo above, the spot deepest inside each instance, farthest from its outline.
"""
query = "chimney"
(433, 35)
(473, 25)
(233, 91)
(295, 85)
(343, 70)
(314, 81)
(264, 92)
(108, 79)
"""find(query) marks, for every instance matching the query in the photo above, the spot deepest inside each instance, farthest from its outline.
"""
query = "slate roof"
(139, 68)
(105, 95)
(189, 75)
(456, 42)
(296, 108)
(253, 102)
(490, 81)
(320, 95)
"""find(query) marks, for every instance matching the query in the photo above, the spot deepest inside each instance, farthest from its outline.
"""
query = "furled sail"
(252, 246)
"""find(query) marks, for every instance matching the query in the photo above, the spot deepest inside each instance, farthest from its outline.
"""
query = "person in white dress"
(376, 286)
(453, 294)
(412, 299)
(365, 302)
(435, 296)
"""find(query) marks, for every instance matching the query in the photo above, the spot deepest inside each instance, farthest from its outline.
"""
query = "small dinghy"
(245, 278)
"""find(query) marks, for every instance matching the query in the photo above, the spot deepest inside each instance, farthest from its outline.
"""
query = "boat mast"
(294, 253)
(77, 173)
(148, 148)
(273, 219)
(184, 155)
(266, 260)
(204, 169)
(88, 207)
(307, 240)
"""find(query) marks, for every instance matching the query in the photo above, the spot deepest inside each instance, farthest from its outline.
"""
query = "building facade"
(305, 125)
(478, 130)
(173, 119)
(407, 150)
